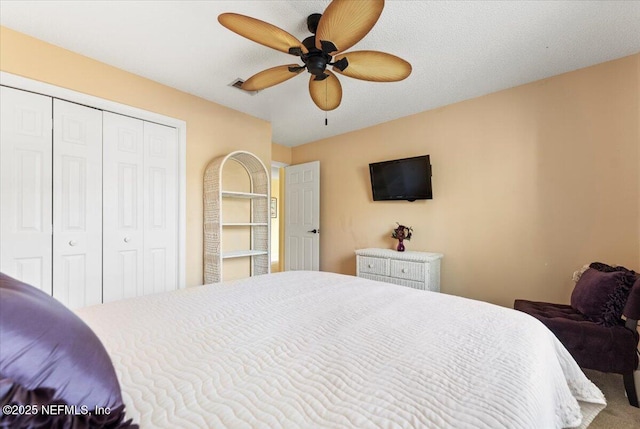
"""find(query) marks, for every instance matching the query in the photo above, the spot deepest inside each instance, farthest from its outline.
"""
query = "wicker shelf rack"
(259, 224)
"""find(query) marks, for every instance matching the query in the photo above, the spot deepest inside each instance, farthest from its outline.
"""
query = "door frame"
(26, 84)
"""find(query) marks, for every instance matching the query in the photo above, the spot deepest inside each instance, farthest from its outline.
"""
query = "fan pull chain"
(326, 101)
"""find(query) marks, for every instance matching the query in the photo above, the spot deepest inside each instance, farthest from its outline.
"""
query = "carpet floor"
(618, 414)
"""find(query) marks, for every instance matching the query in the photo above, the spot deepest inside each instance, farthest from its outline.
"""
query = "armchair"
(594, 342)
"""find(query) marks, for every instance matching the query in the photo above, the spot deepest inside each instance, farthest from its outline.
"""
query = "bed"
(313, 349)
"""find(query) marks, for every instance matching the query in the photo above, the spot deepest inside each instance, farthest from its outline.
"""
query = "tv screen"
(402, 179)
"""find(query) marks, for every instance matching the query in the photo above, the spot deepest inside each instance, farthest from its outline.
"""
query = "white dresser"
(419, 270)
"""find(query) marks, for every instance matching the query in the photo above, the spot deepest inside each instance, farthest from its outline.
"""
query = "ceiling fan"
(343, 24)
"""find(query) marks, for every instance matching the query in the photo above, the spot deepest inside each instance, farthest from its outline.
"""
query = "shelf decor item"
(401, 233)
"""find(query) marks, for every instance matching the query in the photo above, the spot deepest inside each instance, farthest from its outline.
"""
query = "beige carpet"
(618, 414)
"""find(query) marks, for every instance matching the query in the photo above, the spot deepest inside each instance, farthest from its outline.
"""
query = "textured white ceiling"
(458, 50)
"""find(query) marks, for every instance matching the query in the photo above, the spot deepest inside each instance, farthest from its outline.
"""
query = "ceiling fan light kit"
(343, 24)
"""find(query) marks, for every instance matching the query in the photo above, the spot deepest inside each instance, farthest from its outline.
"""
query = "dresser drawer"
(410, 283)
(371, 265)
(408, 270)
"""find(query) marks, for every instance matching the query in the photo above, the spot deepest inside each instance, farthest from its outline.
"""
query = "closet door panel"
(160, 208)
(77, 204)
(25, 187)
(123, 207)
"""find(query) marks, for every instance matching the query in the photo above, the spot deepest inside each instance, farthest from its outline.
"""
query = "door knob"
(315, 231)
(72, 243)
(127, 239)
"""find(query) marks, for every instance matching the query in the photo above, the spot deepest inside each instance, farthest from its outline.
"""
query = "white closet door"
(25, 187)
(77, 204)
(123, 207)
(160, 208)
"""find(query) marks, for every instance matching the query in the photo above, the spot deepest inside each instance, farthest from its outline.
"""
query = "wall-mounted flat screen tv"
(401, 179)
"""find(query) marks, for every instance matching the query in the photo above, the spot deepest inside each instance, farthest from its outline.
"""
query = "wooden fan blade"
(327, 93)
(270, 77)
(261, 32)
(374, 66)
(346, 22)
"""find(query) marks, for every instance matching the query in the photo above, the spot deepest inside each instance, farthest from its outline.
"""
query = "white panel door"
(25, 187)
(77, 204)
(160, 208)
(123, 232)
(302, 217)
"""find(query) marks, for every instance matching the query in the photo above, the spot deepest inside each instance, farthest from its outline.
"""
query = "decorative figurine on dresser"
(419, 270)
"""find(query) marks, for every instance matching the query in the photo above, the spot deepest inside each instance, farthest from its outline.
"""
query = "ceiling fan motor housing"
(315, 60)
(316, 63)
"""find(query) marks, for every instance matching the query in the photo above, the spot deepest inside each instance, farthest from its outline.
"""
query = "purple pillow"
(593, 291)
(49, 355)
(632, 305)
(613, 308)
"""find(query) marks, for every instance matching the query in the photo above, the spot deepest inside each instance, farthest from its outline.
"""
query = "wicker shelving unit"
(259, 224)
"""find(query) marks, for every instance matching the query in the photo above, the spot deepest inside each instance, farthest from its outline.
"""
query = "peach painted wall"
(638, 166)
(530, 183)
(212, 130)
(281, 153)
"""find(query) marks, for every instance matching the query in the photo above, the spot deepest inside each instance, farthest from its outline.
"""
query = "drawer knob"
(370, 265)
(72, 243)
(404, 270)
(127, 239)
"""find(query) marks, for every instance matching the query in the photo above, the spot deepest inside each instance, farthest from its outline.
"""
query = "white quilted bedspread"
(311, 349)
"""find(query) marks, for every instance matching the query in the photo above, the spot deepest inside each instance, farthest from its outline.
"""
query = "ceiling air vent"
(238, 84)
